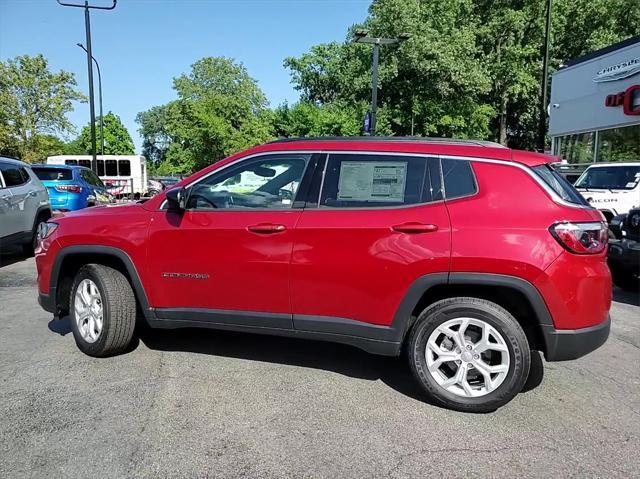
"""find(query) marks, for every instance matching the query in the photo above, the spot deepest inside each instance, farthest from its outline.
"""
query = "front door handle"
(266, 228)
(415, 228)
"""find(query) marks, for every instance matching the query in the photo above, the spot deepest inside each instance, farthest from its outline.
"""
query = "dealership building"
(594, 111)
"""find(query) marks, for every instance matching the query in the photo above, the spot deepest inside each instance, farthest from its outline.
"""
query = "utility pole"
(361, 37)
(92, 110)
(99, 100)
(542, 125)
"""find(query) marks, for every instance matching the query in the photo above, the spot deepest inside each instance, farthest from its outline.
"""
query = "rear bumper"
(624, 254)
(567, 344)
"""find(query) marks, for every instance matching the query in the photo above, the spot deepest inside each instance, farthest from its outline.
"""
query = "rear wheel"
(102, 310)
(469, 354)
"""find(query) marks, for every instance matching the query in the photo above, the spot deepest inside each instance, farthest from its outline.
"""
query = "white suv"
(24, 204)
(613, 188)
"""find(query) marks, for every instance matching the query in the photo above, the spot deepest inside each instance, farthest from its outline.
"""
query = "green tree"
(219, 110)
(33, 105)
(117, 140)
(471, 68)
(429, 85)
(309, 119)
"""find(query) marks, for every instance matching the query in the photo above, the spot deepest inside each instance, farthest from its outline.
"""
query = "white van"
(613, 188)
(122, 174)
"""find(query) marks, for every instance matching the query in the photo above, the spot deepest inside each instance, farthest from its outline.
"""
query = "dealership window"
(619, 144)
(577, 148)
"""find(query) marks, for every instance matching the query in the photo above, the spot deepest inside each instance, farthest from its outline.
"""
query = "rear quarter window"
(559, 185)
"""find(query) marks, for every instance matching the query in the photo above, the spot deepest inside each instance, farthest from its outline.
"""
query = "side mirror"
(177, 199)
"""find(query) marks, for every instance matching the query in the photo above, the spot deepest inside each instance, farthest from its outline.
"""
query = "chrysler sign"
(619, 71)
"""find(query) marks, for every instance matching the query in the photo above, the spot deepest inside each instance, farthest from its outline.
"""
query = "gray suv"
(24, 204)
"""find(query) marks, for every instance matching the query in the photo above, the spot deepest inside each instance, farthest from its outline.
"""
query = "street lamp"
(92, 110)
(361, 37)
(542, 119)
(99, 99)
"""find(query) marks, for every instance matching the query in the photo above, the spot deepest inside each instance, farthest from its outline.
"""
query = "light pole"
(99, 99)
(361, 37)
(542, 124)
(92, 110)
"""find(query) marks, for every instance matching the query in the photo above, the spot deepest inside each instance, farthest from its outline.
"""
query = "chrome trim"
(554, 196)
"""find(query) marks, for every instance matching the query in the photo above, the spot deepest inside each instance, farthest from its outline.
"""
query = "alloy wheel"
(467, 357)
(88, 310)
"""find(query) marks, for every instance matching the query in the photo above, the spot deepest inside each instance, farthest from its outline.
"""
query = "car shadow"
(12, 254)
(337, 358)
(60, 326)
(627, 297)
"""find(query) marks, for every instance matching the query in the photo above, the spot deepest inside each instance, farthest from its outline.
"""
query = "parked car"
(464, 255)
(124, 175)
(24, 204)
(72, 187)
(613, 188)
(624, 252)
(157, 184)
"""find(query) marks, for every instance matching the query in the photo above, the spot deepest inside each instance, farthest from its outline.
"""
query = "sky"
(142, 45)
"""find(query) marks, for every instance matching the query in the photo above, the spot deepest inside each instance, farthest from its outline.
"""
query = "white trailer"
(122, 174)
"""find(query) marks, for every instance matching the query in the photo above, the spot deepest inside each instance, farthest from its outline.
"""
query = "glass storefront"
(616, 144)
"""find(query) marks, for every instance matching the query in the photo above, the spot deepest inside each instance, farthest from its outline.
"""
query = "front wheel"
(102, 310)
(469, 354)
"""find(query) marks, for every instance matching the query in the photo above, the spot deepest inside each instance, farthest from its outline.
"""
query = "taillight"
(581, 238)
(68, 188)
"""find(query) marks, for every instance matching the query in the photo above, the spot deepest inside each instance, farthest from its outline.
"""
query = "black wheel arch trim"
(121, 255)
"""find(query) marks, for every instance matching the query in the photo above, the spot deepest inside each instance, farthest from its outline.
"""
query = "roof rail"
(417, 139)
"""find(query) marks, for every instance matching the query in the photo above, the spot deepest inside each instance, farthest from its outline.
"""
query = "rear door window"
(14, 175)
(52, 174)
(369, 181)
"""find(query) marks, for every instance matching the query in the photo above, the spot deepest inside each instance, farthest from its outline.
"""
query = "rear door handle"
(266, 228)
(414, 228)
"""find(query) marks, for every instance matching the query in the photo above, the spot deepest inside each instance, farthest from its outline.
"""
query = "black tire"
(625, 279)
(118, 306)
(491, 313)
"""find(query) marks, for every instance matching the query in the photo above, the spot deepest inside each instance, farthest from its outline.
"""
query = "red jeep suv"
(464, 255)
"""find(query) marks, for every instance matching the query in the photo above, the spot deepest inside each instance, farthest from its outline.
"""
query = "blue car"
(72, 187)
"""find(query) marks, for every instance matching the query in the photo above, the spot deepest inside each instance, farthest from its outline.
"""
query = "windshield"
(610, 178)
(52, 174)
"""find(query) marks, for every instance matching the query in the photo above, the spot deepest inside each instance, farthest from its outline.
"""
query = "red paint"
(625, 99)
(355, 264)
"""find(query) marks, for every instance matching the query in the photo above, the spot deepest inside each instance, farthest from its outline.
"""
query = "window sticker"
(370, 181)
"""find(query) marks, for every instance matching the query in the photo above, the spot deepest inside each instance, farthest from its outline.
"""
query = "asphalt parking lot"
(218, 404)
